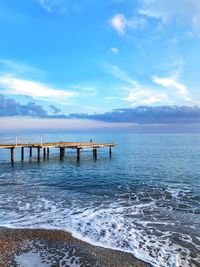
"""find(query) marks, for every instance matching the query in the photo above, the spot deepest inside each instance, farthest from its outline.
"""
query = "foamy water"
(145, 201)
(36, 253)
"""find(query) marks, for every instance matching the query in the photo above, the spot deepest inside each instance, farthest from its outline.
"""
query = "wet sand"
(53, 246)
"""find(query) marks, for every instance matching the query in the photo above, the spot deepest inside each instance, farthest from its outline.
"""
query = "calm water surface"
(145, 200)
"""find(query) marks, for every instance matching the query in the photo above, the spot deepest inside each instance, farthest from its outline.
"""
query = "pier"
(43, 149)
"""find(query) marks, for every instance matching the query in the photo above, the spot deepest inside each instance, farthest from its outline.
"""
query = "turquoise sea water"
(145, 199)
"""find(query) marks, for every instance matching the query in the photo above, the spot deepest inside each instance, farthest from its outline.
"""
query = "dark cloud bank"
(148, 115)
(140, 115)
(10, 107)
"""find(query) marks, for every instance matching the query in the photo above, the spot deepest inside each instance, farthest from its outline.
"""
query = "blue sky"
(89, 56)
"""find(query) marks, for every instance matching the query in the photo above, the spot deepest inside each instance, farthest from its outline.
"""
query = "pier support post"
(22, 153)
(12, 154)
(38, 153)
(78, 154)
(62, 153)
(30, 152)
(110, 151)
(44, 152)
(94, 153)
(48, 152)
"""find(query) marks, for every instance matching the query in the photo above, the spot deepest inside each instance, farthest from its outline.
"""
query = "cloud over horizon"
(148, 115)
(10, 107)
(140, 115)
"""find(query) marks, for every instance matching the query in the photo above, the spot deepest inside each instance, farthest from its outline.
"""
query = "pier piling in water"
(44, 152)
(12, 154)
(78, 154)
(94, 153)
(62, 153)
(22, 153)
(30, 152)
(38, 153)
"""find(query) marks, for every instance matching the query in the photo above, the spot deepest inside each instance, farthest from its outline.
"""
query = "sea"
(145, 199)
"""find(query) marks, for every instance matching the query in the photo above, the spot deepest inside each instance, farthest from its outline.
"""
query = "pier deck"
(61, 145)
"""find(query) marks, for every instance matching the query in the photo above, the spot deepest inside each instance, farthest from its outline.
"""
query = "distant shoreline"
(14, 242)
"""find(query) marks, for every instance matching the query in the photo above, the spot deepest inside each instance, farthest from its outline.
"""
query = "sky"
(87, 59)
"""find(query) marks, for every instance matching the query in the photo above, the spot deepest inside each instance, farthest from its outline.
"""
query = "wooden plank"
(61, 144)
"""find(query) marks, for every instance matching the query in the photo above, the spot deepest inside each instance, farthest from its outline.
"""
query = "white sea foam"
(31, 259)
(115, 225)
(43, 258)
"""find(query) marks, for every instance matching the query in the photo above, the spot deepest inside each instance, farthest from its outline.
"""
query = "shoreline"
(54, 244)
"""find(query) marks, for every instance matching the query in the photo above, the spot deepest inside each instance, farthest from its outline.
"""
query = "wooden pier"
(62, 146)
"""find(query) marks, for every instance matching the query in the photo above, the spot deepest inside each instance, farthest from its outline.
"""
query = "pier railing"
(21, 139)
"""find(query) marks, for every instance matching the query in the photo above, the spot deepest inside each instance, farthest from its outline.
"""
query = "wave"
(114, 224)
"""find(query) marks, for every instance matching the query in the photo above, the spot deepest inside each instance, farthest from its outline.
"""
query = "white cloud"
(170, 82)
(146, 97)
(177, 64)
(111, 97)
(114, 50)
(139, 94)
(13, 85)
(90, 108)
(58, 6)
(120, 23)
(19, 68)
(120, 74)
(85, 90)
(183, 11)
(45, 4)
